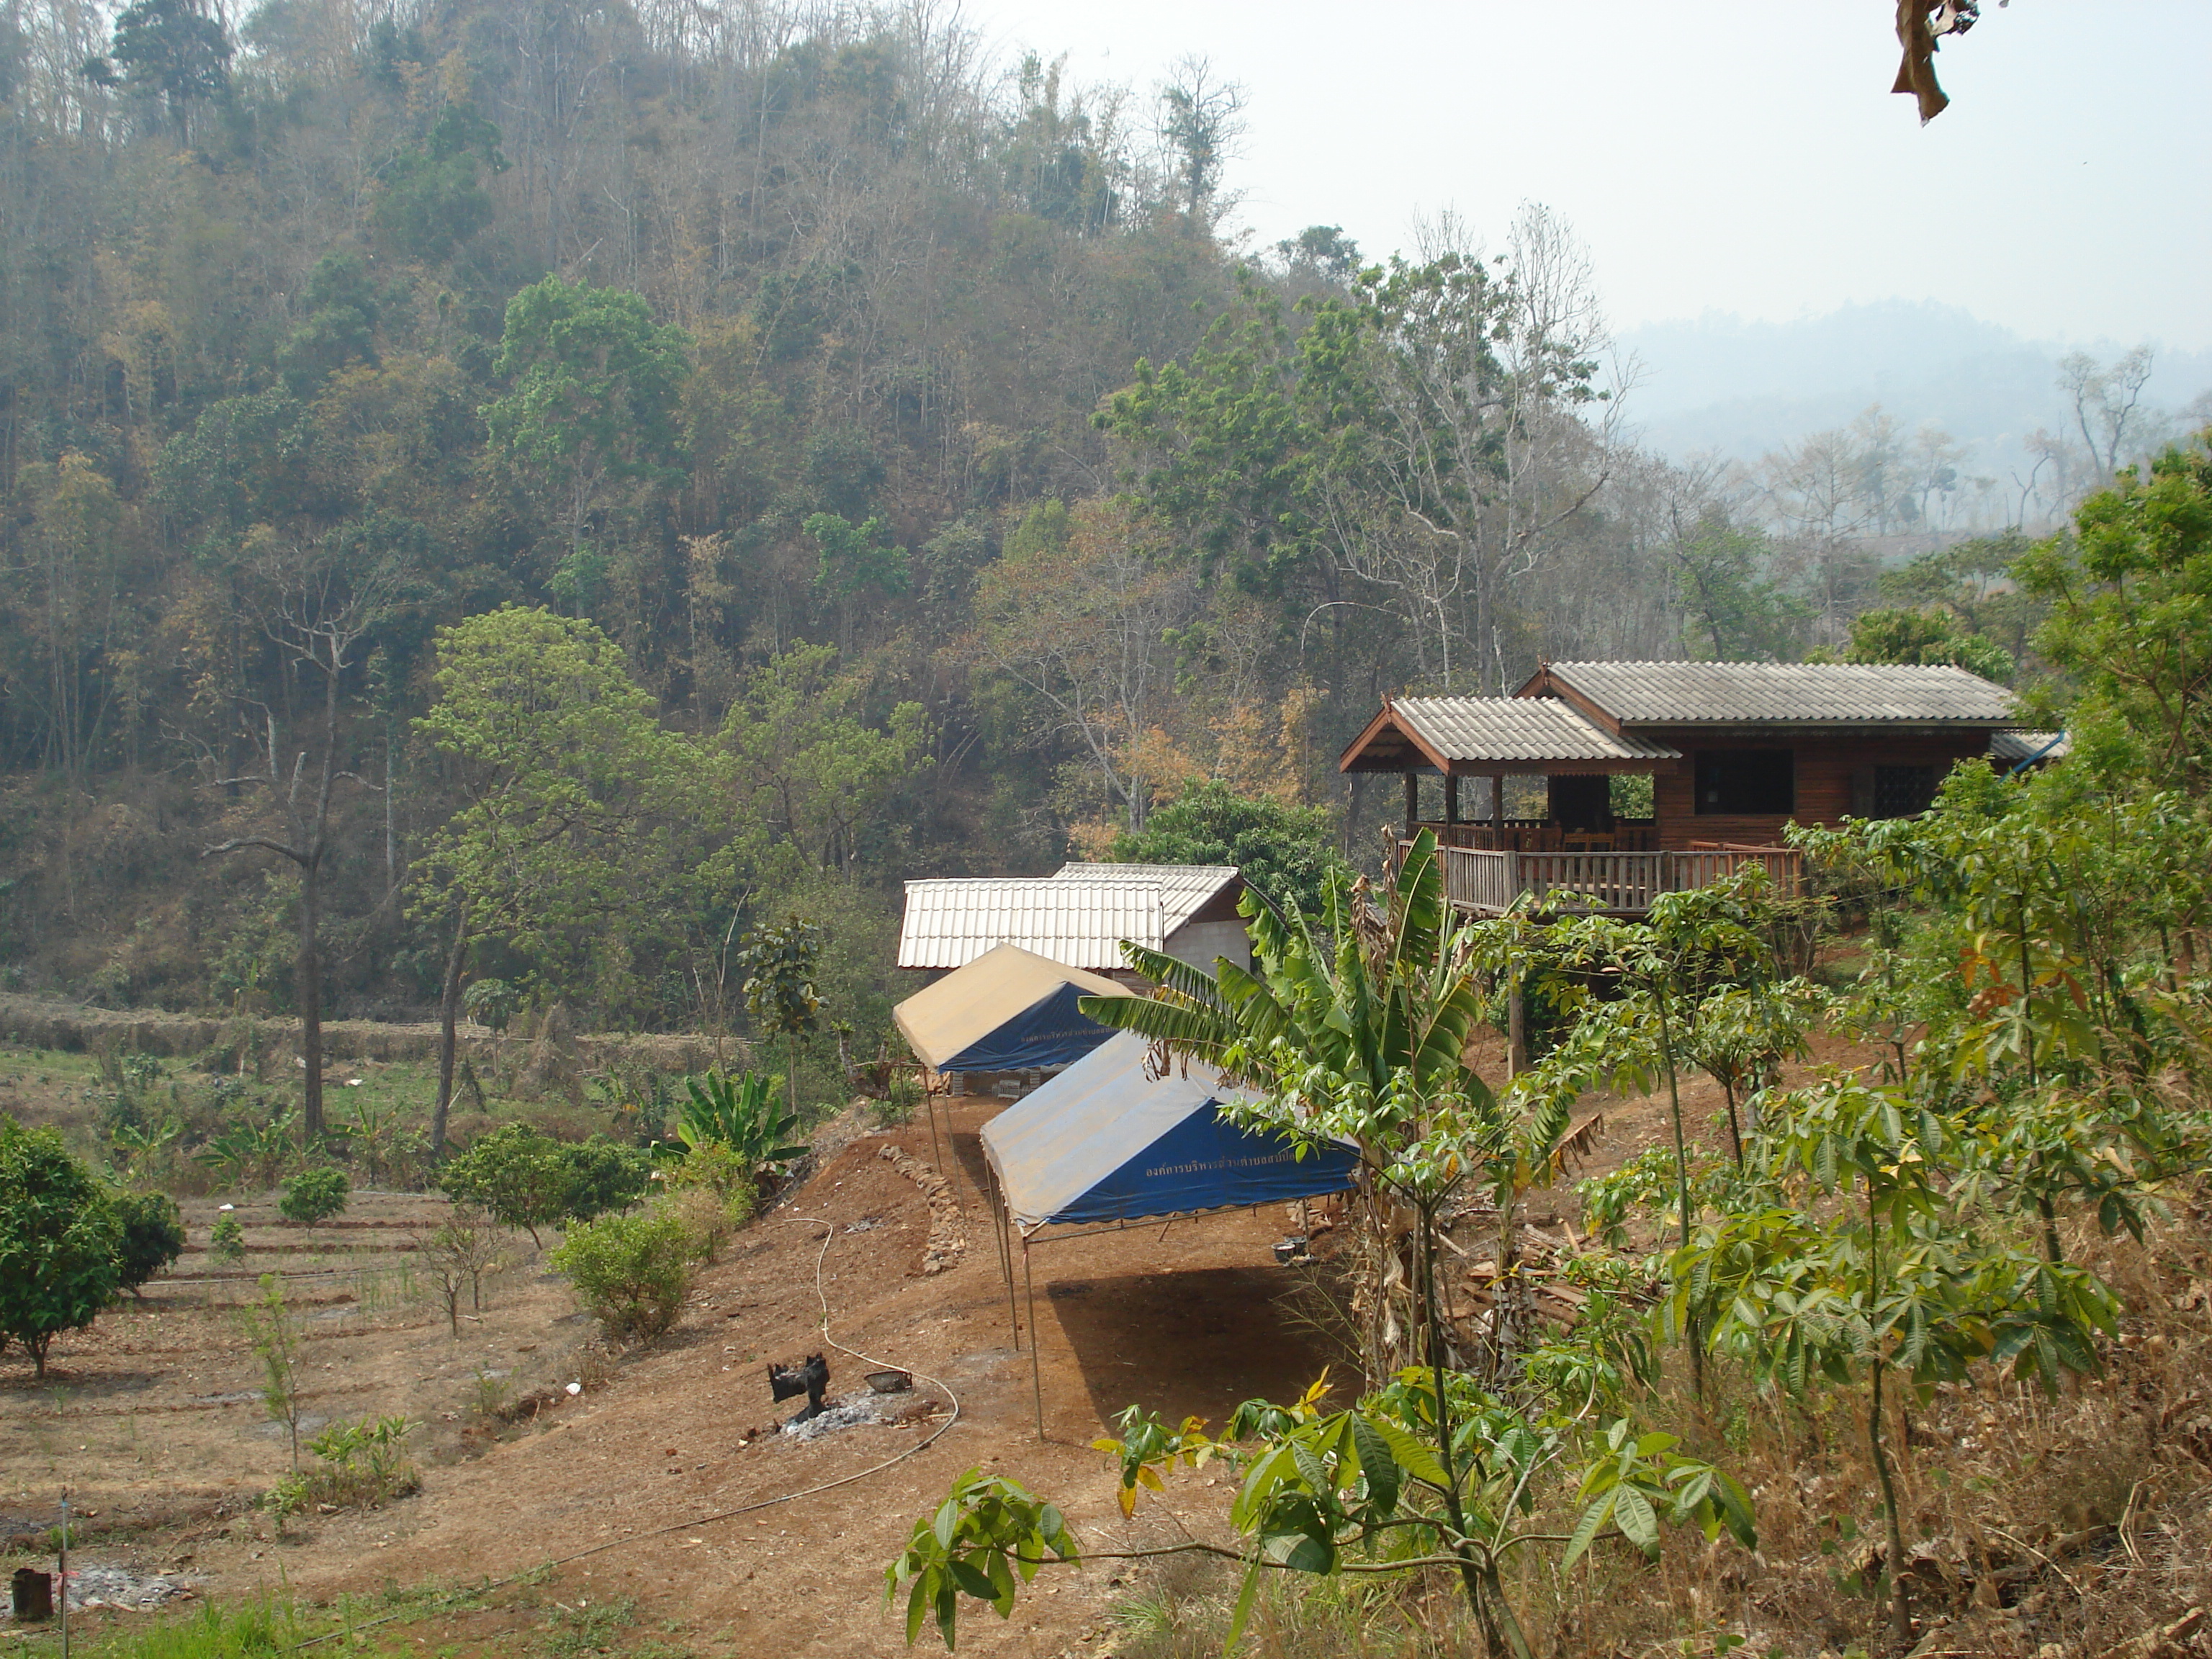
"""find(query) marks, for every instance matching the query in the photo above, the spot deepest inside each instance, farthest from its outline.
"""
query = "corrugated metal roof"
(1848, 694)
(1184, 888)
(2011, 748)
(949, 922)
(1505, 729)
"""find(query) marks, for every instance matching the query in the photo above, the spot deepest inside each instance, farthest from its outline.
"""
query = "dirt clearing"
(154, 1420)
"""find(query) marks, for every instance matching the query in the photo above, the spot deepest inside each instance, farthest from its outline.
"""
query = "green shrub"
(61, 1241)
(227, 1239)
(604, 1175)
(718, 1168)
(519, 1176)
(364, 1462)
(153, 1237)
(315, 1195)
(709, 1217)
(631, 1272)
(525, 1178)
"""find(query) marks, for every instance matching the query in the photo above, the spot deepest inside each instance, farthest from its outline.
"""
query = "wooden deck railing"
(1621, 883)
(1540, 835)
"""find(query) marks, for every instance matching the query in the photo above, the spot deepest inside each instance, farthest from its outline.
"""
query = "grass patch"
(228, 1630)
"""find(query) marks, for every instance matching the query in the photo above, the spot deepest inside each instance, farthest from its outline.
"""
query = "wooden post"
(1516, 1031)
(1451, 797)
(1498, 803)
(1413, 804)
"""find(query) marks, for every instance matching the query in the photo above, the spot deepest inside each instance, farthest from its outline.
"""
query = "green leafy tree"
(1929, 637)
(153, 1237)
(1386, 1487)
(604, 1175)
(434, 199)
(171, 50)
(1971, 581)
(1898, 1282)
(578, 803)
(514, 1173)
(61, 1241)
(592, 404)
(314, 1195)
(858, 564)
(2130, 595)
(778, 963)
(1288, 853)
(492, 1003)
(811, 773)
(341, 322)
(1733, 608)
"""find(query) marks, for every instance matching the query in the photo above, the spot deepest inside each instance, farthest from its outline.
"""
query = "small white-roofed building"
(1079, 916)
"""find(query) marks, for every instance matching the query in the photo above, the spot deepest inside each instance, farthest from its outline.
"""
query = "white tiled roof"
(1844, 694)
(1184, 888)
(950, 922)
(1476, 729)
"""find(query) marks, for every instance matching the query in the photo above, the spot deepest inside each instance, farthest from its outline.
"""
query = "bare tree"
(1490, 430)
(1201, 119)
(2106, 404)
(1078, 619)
(317, 621)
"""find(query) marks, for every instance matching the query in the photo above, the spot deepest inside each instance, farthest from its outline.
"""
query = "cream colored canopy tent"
(1009, 1010)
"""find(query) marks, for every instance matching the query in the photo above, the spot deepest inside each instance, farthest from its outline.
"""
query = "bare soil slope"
(1187, 1319)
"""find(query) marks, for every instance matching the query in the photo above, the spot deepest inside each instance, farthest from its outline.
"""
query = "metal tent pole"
(999, 1222)
(1036, 1366)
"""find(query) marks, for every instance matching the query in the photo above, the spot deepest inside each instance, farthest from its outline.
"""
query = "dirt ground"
(153, 1420)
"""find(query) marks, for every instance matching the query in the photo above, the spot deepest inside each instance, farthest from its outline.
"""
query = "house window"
(1747, 782)
(1900, 792)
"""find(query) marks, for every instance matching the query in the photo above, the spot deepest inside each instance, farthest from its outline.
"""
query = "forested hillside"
(537, 491)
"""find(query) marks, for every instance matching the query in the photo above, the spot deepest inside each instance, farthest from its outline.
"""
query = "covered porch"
(1496, 761)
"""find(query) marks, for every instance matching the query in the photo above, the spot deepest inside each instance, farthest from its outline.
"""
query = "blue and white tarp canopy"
(1106, 1141)
(1007, 1011)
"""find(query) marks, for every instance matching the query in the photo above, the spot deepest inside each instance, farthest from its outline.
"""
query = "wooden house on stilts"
(1734, 751)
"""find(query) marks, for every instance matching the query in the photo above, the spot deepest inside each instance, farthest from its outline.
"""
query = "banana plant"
(146, 1152)
(741, 1113)
(250, 1153)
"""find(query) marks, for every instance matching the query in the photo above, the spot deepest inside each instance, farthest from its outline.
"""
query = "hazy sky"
(1733, 158)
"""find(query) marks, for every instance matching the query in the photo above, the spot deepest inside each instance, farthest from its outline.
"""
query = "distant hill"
(1744, 388)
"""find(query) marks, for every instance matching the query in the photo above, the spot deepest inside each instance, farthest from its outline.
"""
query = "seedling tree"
(1851, 1256)
(778, 963)
(273, 1332)
(457, 1255)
